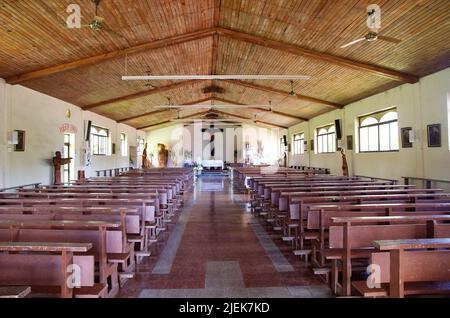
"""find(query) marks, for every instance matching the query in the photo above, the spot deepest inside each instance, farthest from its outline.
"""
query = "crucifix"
(212, 131)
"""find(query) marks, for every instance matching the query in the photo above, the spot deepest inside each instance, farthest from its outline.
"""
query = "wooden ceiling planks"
(255, 37)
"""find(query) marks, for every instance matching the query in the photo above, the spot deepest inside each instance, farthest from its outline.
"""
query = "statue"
(163, 155)
(145, 161)
(344, 163)
(57, 163)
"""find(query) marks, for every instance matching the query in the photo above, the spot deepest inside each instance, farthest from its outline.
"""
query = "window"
(448, 112)
(140, 146)
(326, 139)
(282, 147)
(298, 144)
(99, 141)
(123, 145)
(379, 132)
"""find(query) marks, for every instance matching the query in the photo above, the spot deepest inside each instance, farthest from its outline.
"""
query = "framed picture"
(20, 146)
(312, 144)
(434, 135)
(350, 142)
(406, 142)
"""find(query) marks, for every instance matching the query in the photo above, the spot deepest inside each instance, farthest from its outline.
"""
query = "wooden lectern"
(57, 163)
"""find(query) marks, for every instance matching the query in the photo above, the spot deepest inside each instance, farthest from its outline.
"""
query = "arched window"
(123, 145)
(298, 144)
(99, 141)
(326, 139)
(379, 131)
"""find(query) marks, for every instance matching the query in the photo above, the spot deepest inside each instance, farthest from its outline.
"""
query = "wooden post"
(396, 283)
(66, 260)
(346, 263)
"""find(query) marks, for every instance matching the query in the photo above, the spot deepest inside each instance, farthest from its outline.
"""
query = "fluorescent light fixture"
(214, 77)
(212, 106)
(198, 120)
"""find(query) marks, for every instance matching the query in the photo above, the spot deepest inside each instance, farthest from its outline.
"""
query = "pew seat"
(14, 291)
(19, 260)
(411, 289)
(410, 267)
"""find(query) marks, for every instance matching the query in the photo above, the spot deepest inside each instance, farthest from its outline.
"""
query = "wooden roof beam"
(271, 124)
(169, 121)
(164, 110)
(285, 94)
(158, 44)
(145, 93)
(262, 109)
(248, 119)
(329, 58)
(144, 115)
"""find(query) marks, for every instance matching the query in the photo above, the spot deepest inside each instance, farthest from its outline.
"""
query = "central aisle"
(217, 248)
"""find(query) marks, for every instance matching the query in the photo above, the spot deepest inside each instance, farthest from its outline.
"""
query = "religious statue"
(344, 163)
(57, 163)
(145, 161)
(163, 155)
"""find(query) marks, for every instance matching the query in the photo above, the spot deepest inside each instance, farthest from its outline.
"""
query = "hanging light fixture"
(213, 77)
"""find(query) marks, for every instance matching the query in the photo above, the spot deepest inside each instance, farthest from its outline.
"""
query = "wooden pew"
(104, 238)
(354, 236)
(410, 267)
(15, 291)
(39, 265)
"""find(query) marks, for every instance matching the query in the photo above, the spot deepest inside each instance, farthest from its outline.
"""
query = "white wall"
(418, 105)
(179, 138)
(40, 116)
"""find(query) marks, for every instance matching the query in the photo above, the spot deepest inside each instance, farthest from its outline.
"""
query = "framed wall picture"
(20, 146)
(406, 142)
(434, 135)
(350, 142)
(312, 144)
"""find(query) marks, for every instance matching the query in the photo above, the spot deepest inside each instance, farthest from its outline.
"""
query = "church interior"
(224, 149)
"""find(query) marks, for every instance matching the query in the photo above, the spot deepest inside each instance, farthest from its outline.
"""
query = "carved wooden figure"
(344, 163)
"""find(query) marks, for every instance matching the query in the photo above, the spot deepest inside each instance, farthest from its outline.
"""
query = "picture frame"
(312, 144)
(434, 135)
(20, 146)
(405, 133)
(350, 142)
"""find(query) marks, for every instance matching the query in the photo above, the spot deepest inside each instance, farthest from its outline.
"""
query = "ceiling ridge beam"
(262, 109)
(145, 93)
(283, 93)
(271, 124)
(246, 118)
(297, 50)
(158, 44)
(169, 121)
(161, 111)
(143, 115)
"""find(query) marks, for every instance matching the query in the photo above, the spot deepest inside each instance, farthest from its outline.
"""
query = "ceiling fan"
(98, 23)
(374, 24)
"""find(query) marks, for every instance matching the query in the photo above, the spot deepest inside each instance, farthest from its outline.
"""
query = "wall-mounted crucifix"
(212, 130)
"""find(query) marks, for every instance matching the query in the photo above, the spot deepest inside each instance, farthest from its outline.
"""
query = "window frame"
(378, 124)
(123, 145)
(324, 137)
(96, 138)
(298, 145)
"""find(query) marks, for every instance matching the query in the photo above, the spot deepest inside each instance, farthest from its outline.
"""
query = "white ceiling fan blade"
(353, 42)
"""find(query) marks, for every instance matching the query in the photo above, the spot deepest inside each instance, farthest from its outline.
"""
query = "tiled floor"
(218, 249)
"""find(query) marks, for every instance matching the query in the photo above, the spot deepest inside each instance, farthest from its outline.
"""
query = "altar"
(218, 164)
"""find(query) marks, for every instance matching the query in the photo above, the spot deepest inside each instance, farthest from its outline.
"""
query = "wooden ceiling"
(179, 37)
